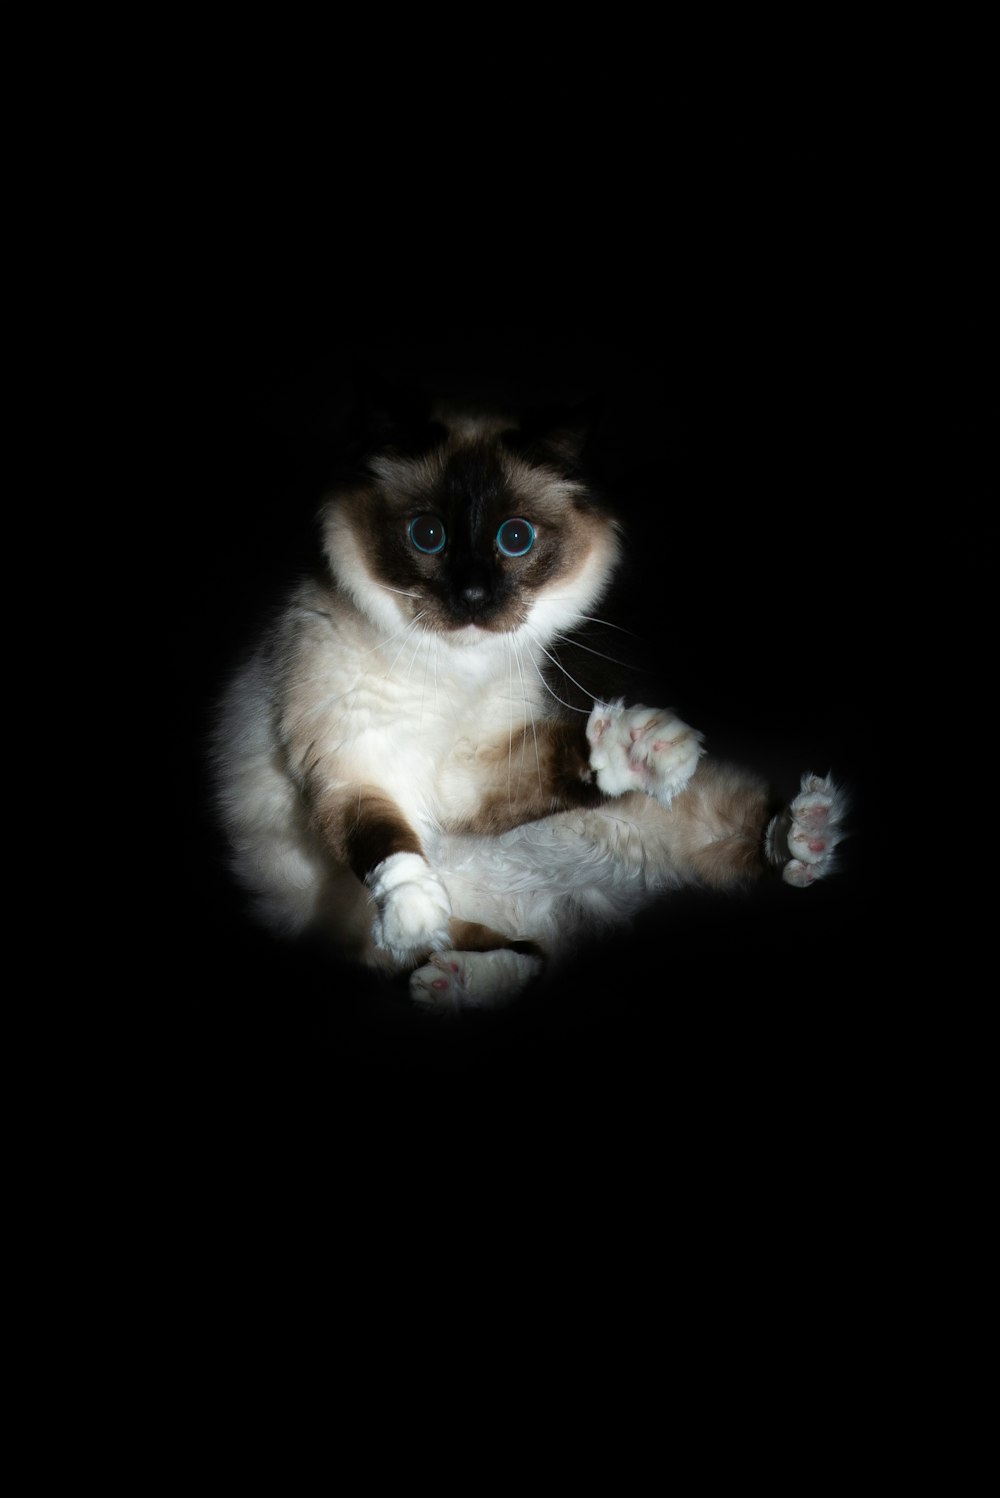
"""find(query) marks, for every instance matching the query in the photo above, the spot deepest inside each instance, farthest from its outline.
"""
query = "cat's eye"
(427, 533)
(515, 537)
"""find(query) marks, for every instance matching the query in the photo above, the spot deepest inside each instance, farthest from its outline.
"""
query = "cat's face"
(471, 536)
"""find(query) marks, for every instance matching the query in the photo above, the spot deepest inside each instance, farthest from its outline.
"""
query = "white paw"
(413, 907)
(457, 980)
(809, 831)
(642, 749)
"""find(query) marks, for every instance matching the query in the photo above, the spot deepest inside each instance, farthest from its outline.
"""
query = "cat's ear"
(382, 402)
(563, 435)
(392, 416)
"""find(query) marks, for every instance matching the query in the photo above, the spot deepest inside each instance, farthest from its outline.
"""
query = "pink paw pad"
(816, 815)
(643, 746)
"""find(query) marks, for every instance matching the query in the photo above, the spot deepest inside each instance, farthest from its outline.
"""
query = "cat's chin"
(470, 634)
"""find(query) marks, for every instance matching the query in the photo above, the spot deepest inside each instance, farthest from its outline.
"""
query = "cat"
(393, 767)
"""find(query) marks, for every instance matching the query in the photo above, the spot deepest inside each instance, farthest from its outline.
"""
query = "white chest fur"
(424, 719)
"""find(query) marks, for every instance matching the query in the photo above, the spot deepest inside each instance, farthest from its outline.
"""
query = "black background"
(785, 388)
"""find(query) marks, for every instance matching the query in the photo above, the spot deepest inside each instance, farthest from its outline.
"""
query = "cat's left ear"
(564, 435)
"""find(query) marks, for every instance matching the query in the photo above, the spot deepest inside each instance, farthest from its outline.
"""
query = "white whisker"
(592, 619)
(411, 626)
(401, 591)
(416, 651)
(389, 638)
(561, 667)
(423, 684)
(530, 715)
(579, 645)
(510, 717)
(551, 693)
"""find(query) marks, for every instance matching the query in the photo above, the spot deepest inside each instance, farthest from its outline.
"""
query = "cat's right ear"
(392, 417)
(560, 434)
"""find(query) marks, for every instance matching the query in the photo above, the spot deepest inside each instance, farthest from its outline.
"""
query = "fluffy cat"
(393, 767)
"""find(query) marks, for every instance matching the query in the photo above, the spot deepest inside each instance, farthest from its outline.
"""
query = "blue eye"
(515, 537)
(427, 533)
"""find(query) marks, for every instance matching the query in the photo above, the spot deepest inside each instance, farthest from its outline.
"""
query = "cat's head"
(474, 523)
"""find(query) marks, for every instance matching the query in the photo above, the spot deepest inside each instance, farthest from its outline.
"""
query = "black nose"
(473, 586)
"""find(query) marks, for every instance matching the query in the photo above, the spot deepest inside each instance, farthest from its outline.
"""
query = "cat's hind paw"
(641, 749)
(478, 980)
(413, 909)
(808, 831)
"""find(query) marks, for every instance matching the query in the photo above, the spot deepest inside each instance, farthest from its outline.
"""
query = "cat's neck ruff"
(468, 656)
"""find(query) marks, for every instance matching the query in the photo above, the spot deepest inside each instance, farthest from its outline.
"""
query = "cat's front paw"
(641, 749)
(413, 908)
(472, 980)
(809, 830)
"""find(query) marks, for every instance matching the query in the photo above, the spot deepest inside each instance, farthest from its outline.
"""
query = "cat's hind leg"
(653, 751)
(803, 839)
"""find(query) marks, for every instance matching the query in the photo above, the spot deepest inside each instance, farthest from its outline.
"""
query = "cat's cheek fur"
(413, 909)
(348, 560)
(562, 606)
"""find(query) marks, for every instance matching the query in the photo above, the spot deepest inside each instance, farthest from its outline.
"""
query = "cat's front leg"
(366, 829)
(412, 908)
(641, 749)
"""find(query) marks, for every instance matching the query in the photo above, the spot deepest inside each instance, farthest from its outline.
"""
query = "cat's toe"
(813, 829)
(440, 983)
(602, 718)
(806, 845)
(801, 875)
(642, 749)
(478, 980)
